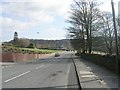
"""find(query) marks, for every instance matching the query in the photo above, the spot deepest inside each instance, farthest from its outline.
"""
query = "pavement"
(53, 72)
(95, 77)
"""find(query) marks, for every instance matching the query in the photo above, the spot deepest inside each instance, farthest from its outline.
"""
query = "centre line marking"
(17, 76)
(40, 67)
(68, 70)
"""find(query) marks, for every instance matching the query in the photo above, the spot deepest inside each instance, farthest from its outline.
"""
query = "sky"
(38, 19)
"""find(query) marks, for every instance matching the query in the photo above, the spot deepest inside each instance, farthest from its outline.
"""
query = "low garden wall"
(108, 62)
(18, 57)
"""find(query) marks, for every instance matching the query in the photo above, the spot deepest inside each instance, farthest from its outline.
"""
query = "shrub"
(31, 45)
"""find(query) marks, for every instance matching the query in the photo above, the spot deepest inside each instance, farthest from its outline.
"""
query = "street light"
(116, 37)
(37, 41)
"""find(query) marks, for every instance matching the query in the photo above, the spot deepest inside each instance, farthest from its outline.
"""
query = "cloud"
(53, 33)
(33, 9)
(25, 14)
(36, 11)
(9, 24)
(106, 6)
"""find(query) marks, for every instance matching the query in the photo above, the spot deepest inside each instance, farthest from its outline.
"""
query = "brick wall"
(18, 57)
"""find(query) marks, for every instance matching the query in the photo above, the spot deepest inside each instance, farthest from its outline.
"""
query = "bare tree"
(83, 16)
(107, 30)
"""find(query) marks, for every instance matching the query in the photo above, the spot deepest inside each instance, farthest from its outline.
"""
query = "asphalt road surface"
(53, 72)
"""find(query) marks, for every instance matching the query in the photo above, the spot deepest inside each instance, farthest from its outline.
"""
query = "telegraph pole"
(116, 37)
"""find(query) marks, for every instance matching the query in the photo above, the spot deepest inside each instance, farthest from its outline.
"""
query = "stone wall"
(108, 62)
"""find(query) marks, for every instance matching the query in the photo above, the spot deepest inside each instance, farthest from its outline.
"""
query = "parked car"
(57, 54)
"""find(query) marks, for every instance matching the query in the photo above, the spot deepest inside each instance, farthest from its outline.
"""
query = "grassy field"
(41, 50)
(29, 50)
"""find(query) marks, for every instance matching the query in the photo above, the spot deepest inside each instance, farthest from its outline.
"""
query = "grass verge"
(28, 50)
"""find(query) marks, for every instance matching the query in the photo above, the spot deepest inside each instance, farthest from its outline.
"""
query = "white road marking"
(40, 67)
(9, 66)
(6, 66)
(68, 76)
(16, 76)
(68, 70)
(48, 66)
(88, 67)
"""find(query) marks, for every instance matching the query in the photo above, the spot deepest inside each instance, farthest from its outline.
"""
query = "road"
(55, 72)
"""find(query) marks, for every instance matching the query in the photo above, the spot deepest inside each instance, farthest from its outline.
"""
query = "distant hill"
(52, 44)
(49, 44)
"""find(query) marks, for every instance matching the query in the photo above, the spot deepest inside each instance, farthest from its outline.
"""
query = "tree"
(118, 23)
(107, 30)
(83, 16)
(22, 42)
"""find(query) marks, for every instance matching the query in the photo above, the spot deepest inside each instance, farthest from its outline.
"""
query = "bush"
(31, 45)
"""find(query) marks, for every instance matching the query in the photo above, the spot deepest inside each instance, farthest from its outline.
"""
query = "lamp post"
(116, 37)
(37, 41)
